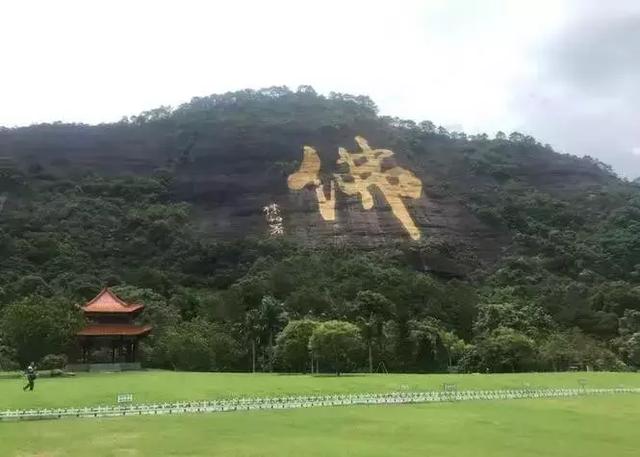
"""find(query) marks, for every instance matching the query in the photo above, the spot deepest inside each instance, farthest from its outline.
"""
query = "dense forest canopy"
(542, 273)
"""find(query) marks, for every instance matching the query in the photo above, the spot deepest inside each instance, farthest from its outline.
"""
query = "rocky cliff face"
(318, 206)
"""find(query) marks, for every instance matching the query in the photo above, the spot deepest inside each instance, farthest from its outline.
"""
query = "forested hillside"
(525, 259)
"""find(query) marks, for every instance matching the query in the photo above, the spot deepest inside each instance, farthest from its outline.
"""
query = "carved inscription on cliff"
(364, 172)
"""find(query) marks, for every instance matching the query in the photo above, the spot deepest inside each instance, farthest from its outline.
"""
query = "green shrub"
(53, 362)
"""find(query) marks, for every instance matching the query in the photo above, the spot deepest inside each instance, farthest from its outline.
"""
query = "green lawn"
(158, 386)
(580, 427)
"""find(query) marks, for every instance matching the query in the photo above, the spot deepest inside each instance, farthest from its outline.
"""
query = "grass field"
(584, 426)
(160, 386)
(580, 427)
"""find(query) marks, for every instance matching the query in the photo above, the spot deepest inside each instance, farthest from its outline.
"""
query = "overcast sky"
(564, 71)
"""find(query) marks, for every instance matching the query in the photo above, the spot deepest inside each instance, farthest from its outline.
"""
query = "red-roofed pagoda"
(111, 323)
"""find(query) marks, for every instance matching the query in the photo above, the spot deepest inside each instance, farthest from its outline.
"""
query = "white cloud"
(455, 62)
(95, 61)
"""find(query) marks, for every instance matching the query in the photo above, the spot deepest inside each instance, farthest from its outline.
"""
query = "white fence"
(249, 404)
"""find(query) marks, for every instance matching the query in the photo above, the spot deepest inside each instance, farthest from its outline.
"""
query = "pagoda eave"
(115, 330)
(133, 309)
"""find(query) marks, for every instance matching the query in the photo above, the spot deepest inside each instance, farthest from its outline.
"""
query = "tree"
(187, 346)
(631, 349)
(7, 357)
(308, 300)
(372, 309)
(427, 127)
(272, 319)
(199, 345)
(252, 330)
(227, 348)
(186, 302)
(157, 311)
(336, 343)
(36, 326)
(504, 349)
(32, 285)
(629, 322)
(629, 341)
(516, 137)
(615, 296)
(556, 350)
(292, 345)
(424, 336)
(509, 311)
(443, 131)
(305, 89)
(454, 346)
(591, 354)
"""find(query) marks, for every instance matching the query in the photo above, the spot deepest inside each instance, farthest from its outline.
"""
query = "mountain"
(235, 187)
(230, 156)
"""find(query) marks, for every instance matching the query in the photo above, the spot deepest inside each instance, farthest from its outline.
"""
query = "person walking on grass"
(31, 375)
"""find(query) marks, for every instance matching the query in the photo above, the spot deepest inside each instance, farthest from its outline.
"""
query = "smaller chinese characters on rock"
(364, 172)
(274, 219)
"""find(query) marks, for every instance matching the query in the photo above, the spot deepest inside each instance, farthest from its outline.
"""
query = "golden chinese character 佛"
(364, 173)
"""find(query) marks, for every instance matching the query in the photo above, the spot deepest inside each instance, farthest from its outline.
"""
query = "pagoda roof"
(109, 303)
(114, 330)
